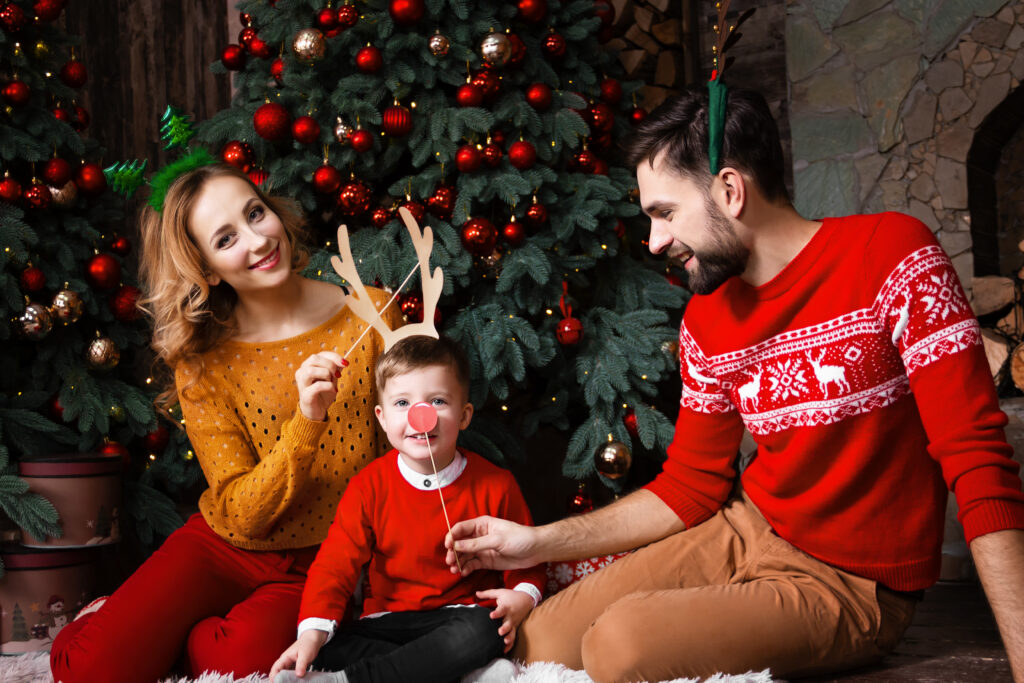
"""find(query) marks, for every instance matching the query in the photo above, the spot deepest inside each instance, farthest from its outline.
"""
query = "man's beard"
(726, 257)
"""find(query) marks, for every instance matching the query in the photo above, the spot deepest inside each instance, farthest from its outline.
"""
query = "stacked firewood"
(998, 303)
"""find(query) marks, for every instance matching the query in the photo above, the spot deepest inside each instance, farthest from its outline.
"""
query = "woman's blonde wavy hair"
(189, 316)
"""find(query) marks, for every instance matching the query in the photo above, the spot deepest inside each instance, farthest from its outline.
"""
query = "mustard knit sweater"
(275, 477)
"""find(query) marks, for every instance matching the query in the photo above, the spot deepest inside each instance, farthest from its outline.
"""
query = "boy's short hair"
(420, 351)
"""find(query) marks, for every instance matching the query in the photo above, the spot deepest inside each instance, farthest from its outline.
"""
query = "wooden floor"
(953, 639)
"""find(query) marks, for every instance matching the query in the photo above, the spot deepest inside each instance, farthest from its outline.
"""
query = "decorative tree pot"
(85, 489)
(41, 592)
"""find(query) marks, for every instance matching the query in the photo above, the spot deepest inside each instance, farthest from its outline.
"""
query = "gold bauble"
(64, 196)
(613, 459)
(35, 322)
(67, 306)
(496, 49)
(309, 45)
(342, 131)
(439, 45)
(103, 354)
(41, 50)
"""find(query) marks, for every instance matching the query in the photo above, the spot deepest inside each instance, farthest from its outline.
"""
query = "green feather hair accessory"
(169, 173)
(718, 92)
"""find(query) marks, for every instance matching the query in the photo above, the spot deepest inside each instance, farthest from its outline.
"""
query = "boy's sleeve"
(532, 579)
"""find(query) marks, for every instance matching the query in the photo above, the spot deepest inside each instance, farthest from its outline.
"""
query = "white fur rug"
(35, 668)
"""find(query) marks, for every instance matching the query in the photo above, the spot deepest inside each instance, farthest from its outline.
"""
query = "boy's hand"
(512, 607)
(301, 653)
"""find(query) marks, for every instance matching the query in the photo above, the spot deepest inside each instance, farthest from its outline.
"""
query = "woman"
(277, 423)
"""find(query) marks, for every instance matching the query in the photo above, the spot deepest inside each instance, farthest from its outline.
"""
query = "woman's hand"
(316, 380)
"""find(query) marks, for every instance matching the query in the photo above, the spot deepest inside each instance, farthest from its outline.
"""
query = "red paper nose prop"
(422, 417)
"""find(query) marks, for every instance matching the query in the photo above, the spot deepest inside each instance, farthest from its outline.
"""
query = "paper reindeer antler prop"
(717, 90)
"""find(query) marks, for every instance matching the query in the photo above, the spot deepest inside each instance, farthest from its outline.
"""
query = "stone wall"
(886, 98)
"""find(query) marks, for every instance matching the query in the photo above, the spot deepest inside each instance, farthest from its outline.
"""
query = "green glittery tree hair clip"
(717, 90)
(176, 130)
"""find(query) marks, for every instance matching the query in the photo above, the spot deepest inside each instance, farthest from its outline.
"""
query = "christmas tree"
(68, 375)
(19, 630)
(496, 124)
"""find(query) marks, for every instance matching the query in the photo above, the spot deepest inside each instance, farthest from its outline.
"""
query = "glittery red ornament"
(56, 172)
(73, 74)
(12, 18)
(638, 114)
(246, 36)
(48, 10)
(305, 130)
(277, 69)
(354, 198)
(90, 180)
(467, 158)
(513, 232)
(580, 502)
(396, 121)
(538, 96)
(102, 271)
(381, 217)
(121, 245)
(32, 279)
(469, 95)
(63, 114)
(411, 306)
(583, 161)
(156, 441)
(348, 16)
(522, 154)
(113, 448)
(16, 93)
(536, 215)
(238, 154)
(611, 91)
(569, 331)
(233, 57)
(479, 236)
(361, 140)
(10, 190)
(38, 197)
(489, 82)
(442, 202)
(533, 10)
(369, 59)
(406, 11)
(245, 18)
(498, 137)
(518, 50)
(81, 120)
(123, 303)
(55, 409)
(416, 209)
(326, 179)
(272, 121)
(629, 419)
(601, 117)
(260, 48)
(492, 154)
(327, 18)
(259, 177)
(554, 45)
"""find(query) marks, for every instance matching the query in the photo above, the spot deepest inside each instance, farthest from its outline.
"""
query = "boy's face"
(435, 385)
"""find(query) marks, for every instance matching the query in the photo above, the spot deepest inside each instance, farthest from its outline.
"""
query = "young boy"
(420, 622)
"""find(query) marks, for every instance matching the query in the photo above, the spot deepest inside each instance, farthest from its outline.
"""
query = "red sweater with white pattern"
(399, 530)
(860, 373)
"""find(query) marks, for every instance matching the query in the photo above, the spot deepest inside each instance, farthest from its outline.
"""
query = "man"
(847, 348)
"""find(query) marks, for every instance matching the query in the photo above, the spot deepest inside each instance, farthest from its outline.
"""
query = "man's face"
(687, 225)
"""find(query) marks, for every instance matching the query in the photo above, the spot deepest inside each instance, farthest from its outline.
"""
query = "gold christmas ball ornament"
(67, 306)
(35, 322)
(613, 459)
(439, 45)
(41, 50)
(103, 354)
(64, 196)
(496, 49)
(309, 45)
(342, 131)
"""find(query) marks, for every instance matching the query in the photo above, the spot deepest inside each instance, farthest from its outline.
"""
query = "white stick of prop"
(369, 323)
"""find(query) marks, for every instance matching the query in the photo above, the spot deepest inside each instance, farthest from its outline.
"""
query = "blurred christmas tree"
(68, 371)
(495, 123)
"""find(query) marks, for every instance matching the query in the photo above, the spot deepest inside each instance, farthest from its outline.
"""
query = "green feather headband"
(718, 92)
(176, 130)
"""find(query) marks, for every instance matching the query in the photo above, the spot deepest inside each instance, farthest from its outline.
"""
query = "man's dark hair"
(680, 127)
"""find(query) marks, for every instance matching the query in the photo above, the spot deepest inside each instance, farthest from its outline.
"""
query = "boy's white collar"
(428, 482)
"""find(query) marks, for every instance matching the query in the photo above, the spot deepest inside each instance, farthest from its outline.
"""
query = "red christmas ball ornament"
(237, 154)
(611, 91)
(121, 245)
(113, 448)
(48, 10)
(513, 232)
(354, 198)
(533, 10)
(554, 45)
(90, 180)
(479, 236)
(522, 154)
(326, 179)
(124, 303)
(536, 215)
(260, 49)
(369, 59)
(246, 36)
(16, 93)
(442, 202)
(245, 18)
(56, 172)
(674, 280)
(469, 95)
(38, 197)
(277, 69)
(348, 16)
(491, 154)
(55, 408)
(411, 306)
(638, 114)
(272, 121)
(81, 120)
(538, 96)
(406, 11)
(10, 190)
(583, 161)
(580, 502)
(569, 331)
(620, 229)
(601, 117)
(605, 11)
(156, 441)
(396, 121)
(518, 50)
(73, 74)
(489, 82)
(629, 419)
(600, 167)
(361, 140)
(467, 158)
(258, 177)
(498, 137)
(416, 209)
(233, 57)
(327, 19)
(381, 216)
(32, 279)
(102, 271)
(63, 114)
(305, 130)
(12, 18)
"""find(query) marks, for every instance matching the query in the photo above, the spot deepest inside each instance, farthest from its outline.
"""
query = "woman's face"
(241, 240)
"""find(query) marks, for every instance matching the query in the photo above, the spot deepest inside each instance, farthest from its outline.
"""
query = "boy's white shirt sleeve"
(318, 624)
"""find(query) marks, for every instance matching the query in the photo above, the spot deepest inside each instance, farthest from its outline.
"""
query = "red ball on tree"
(327, 18)
(38, 197)
(124, 303)
(260, 49)
(102, 271)
(638, 114)
(518, 50)
(396, 121)
(237, 154)
(533, 10)
(156, 441)
(348, 16)
(245, 19)
(272, 121)
(63, 114)
(90, 180)
(489, 82)
(277, 69)
(411, 306)
(361, 140)
(513, 232)
(442, 202)
(498, 137)
(600, 167)
(601, 117)
(246, 36)
(569, 331)
(629, 419)
(406, 12)
(81, 120)
(233, 57)
(10, 190)
(57, 172)
(369, 59)
(121, 245)
(522, 154)
(611, 91)
(55, 408)
(354, 198)
(469, 95)
(554, 45)
(580, 502)
(258, 177)
(326, 179)
(536, 215)
(479, 236)
(416, 209)
(467, 158)
(113, 448)
(73, 74)
(12, 18)
(605, 11)
(32, 279)
(48, 10)
(583, 161)
(539, 96)
(491, 154)
(381, 216)
(16, 93)
(305, 130)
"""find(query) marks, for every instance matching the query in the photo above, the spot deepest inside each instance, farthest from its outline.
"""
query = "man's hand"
(301, 653)
(512, 607)
(490, 543)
